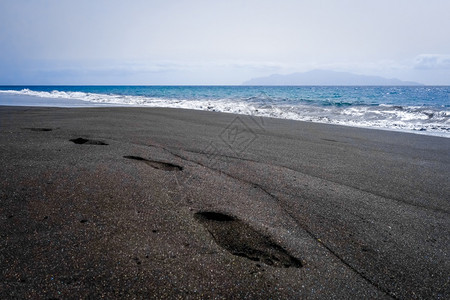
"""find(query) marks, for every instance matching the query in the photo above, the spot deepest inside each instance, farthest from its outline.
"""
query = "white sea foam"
(418, 119)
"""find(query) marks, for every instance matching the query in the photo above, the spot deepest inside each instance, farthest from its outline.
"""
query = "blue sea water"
(420, 109)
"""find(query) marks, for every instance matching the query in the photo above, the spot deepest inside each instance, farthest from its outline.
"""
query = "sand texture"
(167, 203)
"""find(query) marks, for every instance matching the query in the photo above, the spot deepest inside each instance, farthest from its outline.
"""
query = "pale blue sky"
(220, 42)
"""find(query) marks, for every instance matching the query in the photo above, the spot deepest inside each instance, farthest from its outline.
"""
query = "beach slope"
(140, 202)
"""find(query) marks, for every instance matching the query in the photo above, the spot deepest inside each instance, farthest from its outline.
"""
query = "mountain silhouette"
(325, 77)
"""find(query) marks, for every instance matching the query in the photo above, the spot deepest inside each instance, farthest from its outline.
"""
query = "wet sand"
(165, 203)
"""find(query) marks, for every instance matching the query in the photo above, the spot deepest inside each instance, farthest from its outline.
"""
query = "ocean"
(418, 109)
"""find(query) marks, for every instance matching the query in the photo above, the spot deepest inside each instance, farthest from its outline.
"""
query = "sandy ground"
(167, 203)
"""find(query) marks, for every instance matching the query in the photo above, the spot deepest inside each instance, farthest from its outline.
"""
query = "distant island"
(325, 77)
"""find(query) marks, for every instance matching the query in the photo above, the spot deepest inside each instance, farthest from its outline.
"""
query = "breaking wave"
(432, 120)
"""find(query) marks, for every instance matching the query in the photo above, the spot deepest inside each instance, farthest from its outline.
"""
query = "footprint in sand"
(82, 141)
(156, 164)
(242, 240)
(39, 129)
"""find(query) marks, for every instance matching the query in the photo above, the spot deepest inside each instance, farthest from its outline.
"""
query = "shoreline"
(9, 100)
(163, 202)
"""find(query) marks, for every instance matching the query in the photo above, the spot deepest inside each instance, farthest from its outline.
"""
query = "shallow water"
(421, 109)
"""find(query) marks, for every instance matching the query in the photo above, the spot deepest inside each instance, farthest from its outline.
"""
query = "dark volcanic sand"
(164, 203)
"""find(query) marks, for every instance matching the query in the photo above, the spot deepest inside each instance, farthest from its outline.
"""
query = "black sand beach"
(166, 203)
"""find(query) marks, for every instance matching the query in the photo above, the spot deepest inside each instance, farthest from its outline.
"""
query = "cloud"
(432, 62)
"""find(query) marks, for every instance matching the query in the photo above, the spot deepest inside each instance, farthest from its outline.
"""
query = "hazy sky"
(220, 42)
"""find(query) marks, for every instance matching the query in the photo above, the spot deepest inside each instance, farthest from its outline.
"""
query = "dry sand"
(166, 203)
